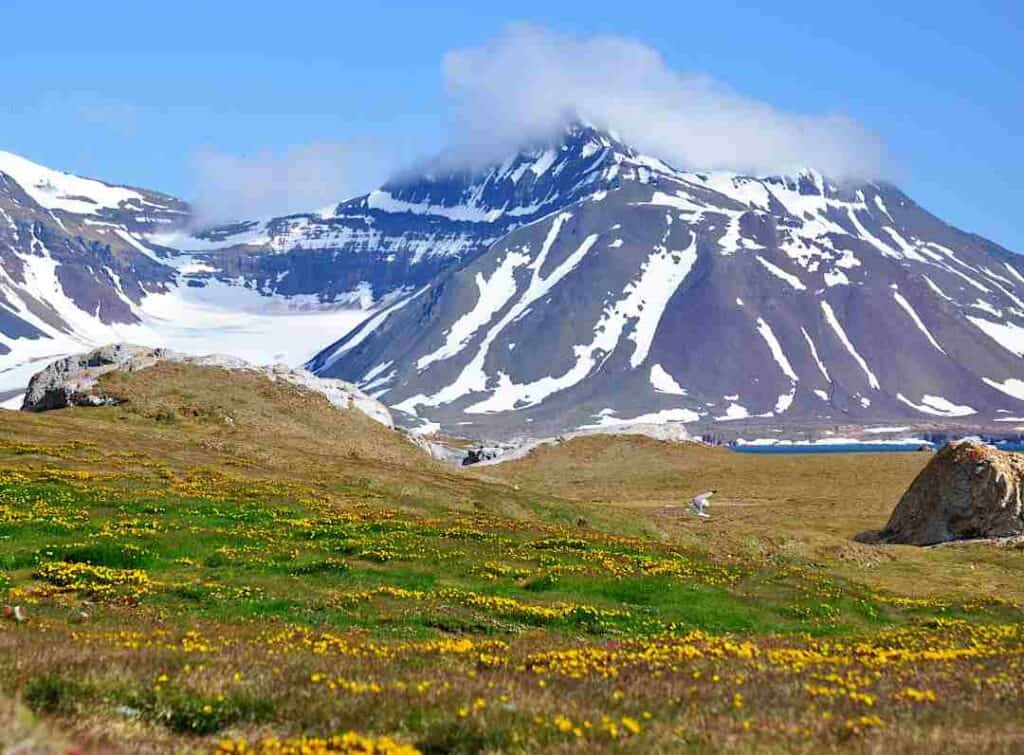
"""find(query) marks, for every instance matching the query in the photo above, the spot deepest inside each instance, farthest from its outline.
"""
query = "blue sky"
(133, 92)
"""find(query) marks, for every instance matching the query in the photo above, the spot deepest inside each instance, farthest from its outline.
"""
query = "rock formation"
(967, 491)
(73, 381)
(481, 454)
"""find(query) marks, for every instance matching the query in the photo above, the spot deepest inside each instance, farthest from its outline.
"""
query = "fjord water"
(846, 448)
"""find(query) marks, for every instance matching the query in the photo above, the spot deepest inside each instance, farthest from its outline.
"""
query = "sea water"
(847, 448)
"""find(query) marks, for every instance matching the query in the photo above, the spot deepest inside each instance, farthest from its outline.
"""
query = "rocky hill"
(968, 491)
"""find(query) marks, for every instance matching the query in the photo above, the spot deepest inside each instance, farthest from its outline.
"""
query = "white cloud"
(522, 86)
(301, 178)
(526, 82)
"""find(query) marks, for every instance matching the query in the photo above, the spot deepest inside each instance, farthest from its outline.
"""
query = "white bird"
(16, 612)
(701, 502)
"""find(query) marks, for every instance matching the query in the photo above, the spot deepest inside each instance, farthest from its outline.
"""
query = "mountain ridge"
(626, 290)
(754, 256)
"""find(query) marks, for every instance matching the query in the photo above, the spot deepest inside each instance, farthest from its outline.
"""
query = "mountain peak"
(583, 132)
(56, 190)
(530, 181)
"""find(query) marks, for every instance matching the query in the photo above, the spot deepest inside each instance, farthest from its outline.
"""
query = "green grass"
(54, 693)
(249, 562)
(231, 561)
(209, 584)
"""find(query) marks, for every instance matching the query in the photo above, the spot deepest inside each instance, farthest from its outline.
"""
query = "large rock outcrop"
(967, 491)
(74, 380)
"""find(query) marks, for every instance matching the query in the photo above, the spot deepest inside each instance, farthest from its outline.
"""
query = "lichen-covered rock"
(73, 380)
(70, 381)
(968, 490)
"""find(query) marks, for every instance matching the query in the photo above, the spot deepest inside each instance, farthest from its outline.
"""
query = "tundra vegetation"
(222, 564)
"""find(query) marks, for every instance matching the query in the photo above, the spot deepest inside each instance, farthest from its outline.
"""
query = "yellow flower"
(631, 724)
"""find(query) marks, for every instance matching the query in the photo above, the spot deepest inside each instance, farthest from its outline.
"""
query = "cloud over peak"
(521, 88)
(524, 84)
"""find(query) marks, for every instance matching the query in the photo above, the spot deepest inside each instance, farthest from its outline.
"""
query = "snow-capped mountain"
(602, 287)
(84, 263)
(408, 231)
(71, 267)
(575, 284)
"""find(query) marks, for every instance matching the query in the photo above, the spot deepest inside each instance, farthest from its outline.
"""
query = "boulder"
(967, 491)
(74, 380)
(70, 381)
(481, 454)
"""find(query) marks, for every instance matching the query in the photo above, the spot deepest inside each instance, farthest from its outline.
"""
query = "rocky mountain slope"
(644, 293)
(71, 267)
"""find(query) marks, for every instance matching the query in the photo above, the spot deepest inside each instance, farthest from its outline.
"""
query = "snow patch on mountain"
(938, 406)
(1009, 335)
(62, 191)
(382, 200)
(814, 354)
(833, 321)
(902, 301)
(649, 295)
(1011, 386)
(665, 383)
(734, 411)
(494, 294)
(776, 349)
(781, 274)
(607, 418)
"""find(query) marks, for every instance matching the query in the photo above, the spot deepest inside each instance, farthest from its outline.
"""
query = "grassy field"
(221, 564)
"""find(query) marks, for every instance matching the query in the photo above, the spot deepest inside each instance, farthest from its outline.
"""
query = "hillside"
(205, 418)
(302, 571)
(807, 507)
